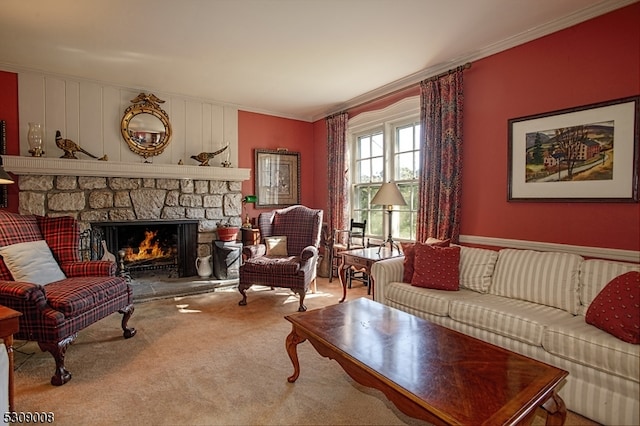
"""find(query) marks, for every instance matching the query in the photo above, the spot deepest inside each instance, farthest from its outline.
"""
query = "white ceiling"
(293, 58)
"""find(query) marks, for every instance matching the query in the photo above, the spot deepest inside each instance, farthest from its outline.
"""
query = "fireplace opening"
(139, 246)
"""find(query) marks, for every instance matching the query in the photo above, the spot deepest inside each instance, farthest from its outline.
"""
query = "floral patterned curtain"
(338, 171)
(440, 183)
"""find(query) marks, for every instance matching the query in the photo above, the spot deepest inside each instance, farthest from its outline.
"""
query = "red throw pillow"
(437, 267)
(408, 249)
(616, 309)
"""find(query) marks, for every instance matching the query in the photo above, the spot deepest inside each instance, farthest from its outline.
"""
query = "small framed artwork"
(583, 154)
(277, 181)
(3, 150)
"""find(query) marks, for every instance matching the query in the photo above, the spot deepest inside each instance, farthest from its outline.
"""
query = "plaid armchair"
(293, 267)
(53, 313)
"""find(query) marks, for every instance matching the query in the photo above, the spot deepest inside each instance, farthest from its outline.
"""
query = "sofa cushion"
(16, 229)
(437, 267)
(277, 265)
(424, 300)
(577, 341)
(595, 274)
(548, 278)
(74, 296)
(517, 319)
(476, 268)
(616, 309)
(408, 250)
(32, 262)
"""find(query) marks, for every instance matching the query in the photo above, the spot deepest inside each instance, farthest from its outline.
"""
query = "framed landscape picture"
(583, 154)
(277, 182)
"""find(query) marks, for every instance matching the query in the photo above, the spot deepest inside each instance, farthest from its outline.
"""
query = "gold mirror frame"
(139, 135)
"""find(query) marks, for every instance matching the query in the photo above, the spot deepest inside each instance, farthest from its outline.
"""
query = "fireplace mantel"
(66, 167)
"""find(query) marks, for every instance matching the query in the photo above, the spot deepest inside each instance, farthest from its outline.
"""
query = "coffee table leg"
(292, 342)
(556, 410)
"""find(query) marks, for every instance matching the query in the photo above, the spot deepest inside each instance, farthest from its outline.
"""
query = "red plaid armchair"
(279, 263)
(53, 313)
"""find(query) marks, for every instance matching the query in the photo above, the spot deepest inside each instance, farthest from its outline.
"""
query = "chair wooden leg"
(314, 286)
(301, 292)
(58, 350)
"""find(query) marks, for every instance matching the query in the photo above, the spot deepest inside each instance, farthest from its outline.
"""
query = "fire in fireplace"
(153, 245)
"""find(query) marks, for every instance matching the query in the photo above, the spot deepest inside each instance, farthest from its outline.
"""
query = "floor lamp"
(389, 195)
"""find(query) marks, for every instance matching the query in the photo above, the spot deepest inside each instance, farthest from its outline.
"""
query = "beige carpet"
(203, 360)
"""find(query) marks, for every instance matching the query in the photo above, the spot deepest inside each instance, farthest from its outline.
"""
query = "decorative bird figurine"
(204, 157)
(107, 254)
(69, 147)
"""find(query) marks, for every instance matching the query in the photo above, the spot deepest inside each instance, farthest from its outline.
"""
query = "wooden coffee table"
(428, 371)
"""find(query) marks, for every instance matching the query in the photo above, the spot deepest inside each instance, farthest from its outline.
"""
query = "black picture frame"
(568, 155)
(277, 180)
(4, 200)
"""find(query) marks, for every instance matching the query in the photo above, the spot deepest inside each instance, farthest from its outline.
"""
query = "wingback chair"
(58, 294)
(283, 262)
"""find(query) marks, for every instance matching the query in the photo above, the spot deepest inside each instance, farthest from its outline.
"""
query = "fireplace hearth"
(153, 245)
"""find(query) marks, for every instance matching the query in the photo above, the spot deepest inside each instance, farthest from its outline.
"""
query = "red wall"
(591, 62)
(259, 131)
(9, 113)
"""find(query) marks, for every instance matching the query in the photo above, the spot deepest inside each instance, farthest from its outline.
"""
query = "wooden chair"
(346, 239)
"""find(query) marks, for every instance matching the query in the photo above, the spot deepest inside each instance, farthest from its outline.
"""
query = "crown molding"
(67, 167)
(524, 37)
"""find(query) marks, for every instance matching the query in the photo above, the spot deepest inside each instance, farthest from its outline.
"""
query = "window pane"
(405, 139)
(377, 174)
(405, 166)
(364, 147)
(377, 148)
(364, 171)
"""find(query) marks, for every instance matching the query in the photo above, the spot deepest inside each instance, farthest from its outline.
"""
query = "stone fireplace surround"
(96, 191)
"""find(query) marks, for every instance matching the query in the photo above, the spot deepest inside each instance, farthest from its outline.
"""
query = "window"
(385, 146)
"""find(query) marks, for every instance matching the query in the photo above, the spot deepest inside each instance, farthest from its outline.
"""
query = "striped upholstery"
(580, 342)
(604, 372)
(517, 319)
(595, 274)
(476, 268)
(548, 278)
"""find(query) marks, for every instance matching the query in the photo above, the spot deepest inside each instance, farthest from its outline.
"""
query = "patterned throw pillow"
(408, 249)
(616, 309)
(437, 267)
(276, 246)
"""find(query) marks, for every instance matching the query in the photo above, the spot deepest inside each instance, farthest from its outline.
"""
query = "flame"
(148, 249)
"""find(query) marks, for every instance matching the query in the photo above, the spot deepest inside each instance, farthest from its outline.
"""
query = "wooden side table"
(8, 326)
(250, 236)
(362, 259)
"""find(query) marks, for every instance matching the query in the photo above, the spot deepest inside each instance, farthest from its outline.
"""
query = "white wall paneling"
(89, 114)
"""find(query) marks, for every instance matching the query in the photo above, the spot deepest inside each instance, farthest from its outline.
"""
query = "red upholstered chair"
(276, 263)
(81, 293)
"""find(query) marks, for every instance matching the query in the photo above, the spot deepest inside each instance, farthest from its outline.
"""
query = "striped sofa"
(53, 313)
(534, 303)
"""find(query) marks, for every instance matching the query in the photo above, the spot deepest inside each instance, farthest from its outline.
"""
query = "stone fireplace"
(192, 199)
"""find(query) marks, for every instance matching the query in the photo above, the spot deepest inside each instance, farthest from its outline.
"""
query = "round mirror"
(145, 126)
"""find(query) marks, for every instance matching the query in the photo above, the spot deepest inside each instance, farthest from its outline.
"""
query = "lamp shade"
(4, 176)
(389, 195)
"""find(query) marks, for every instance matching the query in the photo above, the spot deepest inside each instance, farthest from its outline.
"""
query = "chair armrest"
(15, 294)
(384, 272)
(253, 251)
(89, 268)
(308, 253)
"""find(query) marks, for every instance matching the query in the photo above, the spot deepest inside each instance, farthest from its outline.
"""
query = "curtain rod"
(452, 70)
(461, 67)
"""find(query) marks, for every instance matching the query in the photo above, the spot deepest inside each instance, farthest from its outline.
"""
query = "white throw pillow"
(32, 262)
(276, 246)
